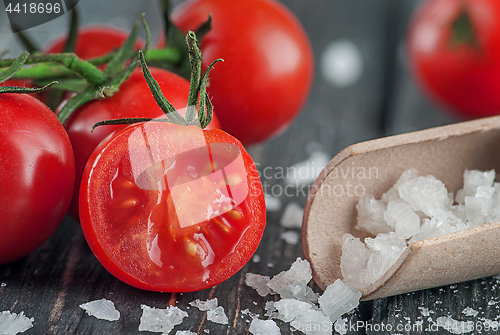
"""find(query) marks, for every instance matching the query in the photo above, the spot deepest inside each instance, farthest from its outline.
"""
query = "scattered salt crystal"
(185, 332)
(371, 215)
(291, 237)
(256, 258)
(161, 320)
(271, 311)
(338, 299)
(264, 327)
(293, 283)
(206, 331)
(308, 323)
(306, 172)
(270, 265)
(289, 309)
(102, 309)
(341, 326)
(455, 326)
(292, 216)
(259, 283)
(273, 204)
(341, 63)
(207, 305)
(425, 311)
(217, 315)
(470, 312)
(12, 323)
(246, 311)
(3, 284)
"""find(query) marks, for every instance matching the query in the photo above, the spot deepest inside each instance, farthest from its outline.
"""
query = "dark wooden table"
(51, 283)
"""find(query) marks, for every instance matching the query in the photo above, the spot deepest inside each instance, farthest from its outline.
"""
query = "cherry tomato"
(454, 54)
(134, 99)
(268, 63)
(36, 175)
(171, 208)
(94, 41)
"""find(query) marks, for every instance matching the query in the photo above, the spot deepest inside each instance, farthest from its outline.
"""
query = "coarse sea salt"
(161, 320)
(264, 327)
(300, 305)
(415, 208)
(291, 237)
(292, 216)
(12, 323)
(185, 332)
(215, 313)
(101, 309)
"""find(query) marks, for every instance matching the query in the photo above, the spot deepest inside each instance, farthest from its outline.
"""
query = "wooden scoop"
(373, 167)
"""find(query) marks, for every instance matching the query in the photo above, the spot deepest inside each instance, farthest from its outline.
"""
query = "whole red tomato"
(454, 53)
(36, 175)
(134, 99)
(94, 41)
(268, 63)
(171, 208)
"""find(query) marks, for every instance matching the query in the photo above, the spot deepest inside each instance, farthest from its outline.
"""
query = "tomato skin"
(268, 63)
(94, 41)
(463, 78)
(134, 99)
(101, 217)
(36, 175)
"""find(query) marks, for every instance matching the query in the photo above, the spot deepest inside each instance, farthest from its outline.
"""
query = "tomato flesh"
(172, 208)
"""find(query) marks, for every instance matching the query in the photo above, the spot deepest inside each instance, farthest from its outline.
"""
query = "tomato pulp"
(36, 175)
(268, 63)
(134, 99)
(171, 208)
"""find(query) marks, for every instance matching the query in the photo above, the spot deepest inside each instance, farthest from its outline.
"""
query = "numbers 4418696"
(34, 8)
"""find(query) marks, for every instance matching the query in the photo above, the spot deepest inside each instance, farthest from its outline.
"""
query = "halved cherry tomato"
(36, 174)
(134, 99)
(171, 208)
(268, 63)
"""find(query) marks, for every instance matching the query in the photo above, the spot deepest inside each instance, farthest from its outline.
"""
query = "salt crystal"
(338, 299)
(256, 258)
(264, 327)
(425, 194)
(400, 216)
(289, 309)
(433, 228)
(207, 305)
(387, 248)
(185, 332)
(340, 326)
(246, 311)
(306, 172)
(470, 312)
(3, 285)
(425, 311)
(371, 215)
(217, 315)
(455, 326)
(311, 323)
(293, 283)
(258, 283)
(102, 309)
(273, 204)
(393, 193)
(12, 323)
(271, 311)
(472, 180)
(292, 216)
(161, 320)
(291, 237)
(354, 261)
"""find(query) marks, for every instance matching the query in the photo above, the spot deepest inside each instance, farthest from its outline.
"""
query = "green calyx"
(201, 116)
(463, 32)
